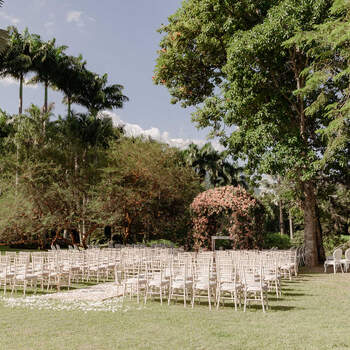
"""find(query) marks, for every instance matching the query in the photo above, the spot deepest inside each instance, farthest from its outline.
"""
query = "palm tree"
(67, 77)
(4, 37)
(46, 65)
(96, 95)
(83, 136)
(17, 61)
(213, 167)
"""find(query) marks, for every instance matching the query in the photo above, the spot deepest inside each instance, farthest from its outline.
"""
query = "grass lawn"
(313, 313)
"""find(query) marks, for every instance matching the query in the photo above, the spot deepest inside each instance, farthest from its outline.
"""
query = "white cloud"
(78, 18)
(8, 81)
(134, 130)
(11, 19)
(75, 17)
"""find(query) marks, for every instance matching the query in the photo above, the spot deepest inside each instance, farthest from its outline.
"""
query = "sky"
(117, 37)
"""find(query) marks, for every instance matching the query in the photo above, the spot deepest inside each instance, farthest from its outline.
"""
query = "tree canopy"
(237, 62)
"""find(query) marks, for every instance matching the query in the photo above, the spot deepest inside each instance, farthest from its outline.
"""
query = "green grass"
(313, 313)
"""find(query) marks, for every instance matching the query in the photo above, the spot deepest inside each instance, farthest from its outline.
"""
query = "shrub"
(331, 242)
(163, 242)
(298, 238)
(276, 240)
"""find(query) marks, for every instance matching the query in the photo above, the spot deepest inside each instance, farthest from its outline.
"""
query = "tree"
(68, 77)
(17, 61)
(96, 95)
(234, 58)
(3, 40)
(146, 191)
(327, 47)
(3, 35)
(46, 65)
(213, 167)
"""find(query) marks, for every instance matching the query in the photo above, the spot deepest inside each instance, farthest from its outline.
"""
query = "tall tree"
(18, 58)
(232, 57)
(46, 65)
(214, 167)
(68, 77)
(3, 35)
(327, 47)
(96, 95)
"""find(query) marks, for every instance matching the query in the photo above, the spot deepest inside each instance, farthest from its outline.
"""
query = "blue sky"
(118, 37)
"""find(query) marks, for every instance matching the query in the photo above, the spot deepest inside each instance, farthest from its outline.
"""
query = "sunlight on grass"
(313, 313)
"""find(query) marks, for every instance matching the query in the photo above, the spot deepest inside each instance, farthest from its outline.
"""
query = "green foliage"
(333, 241)
(327, 48)
(67, 179)
(276, 240)
(161, 242)
(255, 87)
(145, 191)
(214, 168)
(298, 238)
(29, 53)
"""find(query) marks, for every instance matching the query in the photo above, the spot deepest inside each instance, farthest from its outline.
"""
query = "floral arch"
(227, 211)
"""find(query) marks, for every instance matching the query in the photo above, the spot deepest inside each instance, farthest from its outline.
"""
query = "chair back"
(337, 254)
(347, 254)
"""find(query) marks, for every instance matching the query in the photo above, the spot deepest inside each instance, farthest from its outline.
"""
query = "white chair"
(22, 275)
(134, 279)
(335, 261)
(157, 283)
(228, 286)
(203, 284)
(346, 261)
(254, 287)
(181, 280)
(6, 271)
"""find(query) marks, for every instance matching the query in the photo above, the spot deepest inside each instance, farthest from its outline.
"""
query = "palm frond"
(4, 36)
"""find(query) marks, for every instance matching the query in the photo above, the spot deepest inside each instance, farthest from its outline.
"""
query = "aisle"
(99, 292)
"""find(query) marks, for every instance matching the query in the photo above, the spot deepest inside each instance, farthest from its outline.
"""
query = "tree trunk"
(290, 224)
(319, 235)
(310, 225)
(46, 97)
(69, 106)
(282, 232)
(20, 108)
(17, 176)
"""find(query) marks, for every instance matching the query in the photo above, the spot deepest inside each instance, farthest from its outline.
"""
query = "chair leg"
(170, 294)
(235, 299)
(209, 297)
(262, 300)
(218, 296)
(193, 296)
(185, 294)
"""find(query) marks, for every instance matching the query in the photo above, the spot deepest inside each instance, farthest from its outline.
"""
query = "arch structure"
(227, 211)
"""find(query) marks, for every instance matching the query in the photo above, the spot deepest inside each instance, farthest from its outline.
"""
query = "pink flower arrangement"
(230, 211)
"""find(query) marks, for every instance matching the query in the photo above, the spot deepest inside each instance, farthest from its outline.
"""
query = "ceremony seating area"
(165, 274)
(242, 277)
